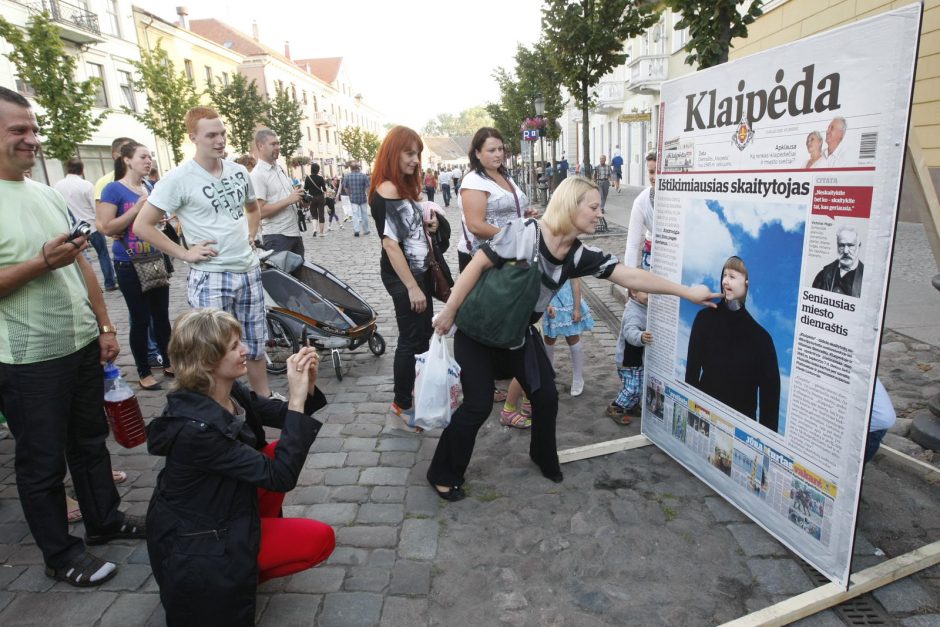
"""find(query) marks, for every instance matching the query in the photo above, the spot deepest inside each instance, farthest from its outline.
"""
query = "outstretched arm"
(636, 279)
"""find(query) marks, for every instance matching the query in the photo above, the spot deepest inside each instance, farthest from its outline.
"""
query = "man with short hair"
(276, 196)
(835, 150)
(602, 178)
(355, 184)
(445, 179)
(108, 176)
(844, 275)
(215, 202)
(54, 335)
(79, 196)
(456, 174)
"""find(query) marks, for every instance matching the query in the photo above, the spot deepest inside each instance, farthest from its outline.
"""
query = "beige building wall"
(204, 60)
(794, 19)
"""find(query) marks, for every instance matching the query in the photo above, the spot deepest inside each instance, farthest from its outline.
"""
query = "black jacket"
(850, 285)
(203, 527)
(732, 358)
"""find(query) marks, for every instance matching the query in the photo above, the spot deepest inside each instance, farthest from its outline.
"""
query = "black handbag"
(497, 310)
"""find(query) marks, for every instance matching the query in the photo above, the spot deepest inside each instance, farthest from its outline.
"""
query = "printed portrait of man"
(844, 275)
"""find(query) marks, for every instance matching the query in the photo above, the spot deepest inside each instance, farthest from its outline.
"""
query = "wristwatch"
(107, 328)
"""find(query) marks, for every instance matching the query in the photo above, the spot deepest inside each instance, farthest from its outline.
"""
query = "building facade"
(102, 37)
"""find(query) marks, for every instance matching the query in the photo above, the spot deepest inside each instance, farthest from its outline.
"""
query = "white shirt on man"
(211, 208)
(271, 185)
(79, 196)
(837, 158)
(446, 177)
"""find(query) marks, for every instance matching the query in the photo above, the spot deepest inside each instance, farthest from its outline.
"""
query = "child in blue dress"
(568, 316)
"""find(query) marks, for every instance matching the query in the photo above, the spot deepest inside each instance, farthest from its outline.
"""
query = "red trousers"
(288, 545)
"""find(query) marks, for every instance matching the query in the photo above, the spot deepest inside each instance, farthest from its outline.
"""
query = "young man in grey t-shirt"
(215, 202)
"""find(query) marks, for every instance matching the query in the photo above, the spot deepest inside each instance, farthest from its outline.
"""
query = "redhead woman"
(574, 210)
(393, 196)
(214, 526)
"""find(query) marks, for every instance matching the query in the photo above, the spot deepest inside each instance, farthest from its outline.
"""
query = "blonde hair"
(198, 113)
(200, 340)
(559, 216)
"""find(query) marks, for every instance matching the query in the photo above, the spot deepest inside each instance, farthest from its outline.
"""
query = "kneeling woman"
(574, 210)
(214, 529)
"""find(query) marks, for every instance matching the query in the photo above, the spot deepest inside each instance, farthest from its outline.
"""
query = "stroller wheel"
(337, 365)
(281, 344)
(377, 344)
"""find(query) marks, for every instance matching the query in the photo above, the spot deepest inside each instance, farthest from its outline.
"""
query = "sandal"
(133, 528)
(74, 512)
(618, 414)
(515, 419)
(526, 407)
(499, 396)
(118, 476)
(84, 571)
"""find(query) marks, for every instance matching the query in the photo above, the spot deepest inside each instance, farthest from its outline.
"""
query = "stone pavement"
(629, 538)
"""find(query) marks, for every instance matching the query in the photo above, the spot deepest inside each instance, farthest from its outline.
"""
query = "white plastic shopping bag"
(437, 385)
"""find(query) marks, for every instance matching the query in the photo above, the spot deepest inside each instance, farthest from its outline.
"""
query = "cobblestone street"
(629, 538)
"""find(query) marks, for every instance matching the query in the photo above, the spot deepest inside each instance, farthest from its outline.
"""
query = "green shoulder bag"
(497, 310)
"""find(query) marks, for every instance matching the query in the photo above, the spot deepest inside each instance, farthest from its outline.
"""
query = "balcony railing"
(647, 72)
(610, 95)
(322, 118)
(80, 24)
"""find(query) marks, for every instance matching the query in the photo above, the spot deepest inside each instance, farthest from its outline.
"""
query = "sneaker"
(577, 387)
(615, 411)
(401, 420)
(278, 397)
(133, 528)
(155, 361)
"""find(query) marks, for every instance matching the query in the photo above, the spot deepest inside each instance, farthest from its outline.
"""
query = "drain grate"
(862, 610)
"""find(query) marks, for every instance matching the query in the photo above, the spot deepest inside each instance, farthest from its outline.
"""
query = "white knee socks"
(577, 368)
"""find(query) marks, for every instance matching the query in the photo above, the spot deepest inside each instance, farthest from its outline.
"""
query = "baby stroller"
(307, 303)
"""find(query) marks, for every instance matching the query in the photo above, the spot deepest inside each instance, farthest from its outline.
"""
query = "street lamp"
(540, 111)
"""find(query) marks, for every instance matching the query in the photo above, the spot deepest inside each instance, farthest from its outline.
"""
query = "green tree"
(513, 106)
(242, 107)
(170, 94)
(586, 38)
(284, 116)
(41, 61)
(361, 145)
(370, 146)
(712, 25)
(539, 79)
(464, 123)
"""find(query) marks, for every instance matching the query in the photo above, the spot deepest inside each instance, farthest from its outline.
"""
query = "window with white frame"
(96, 70)
(114, 17)
(126, 83)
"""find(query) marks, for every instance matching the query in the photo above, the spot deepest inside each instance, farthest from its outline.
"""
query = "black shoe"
(355, 235)
(552, 472)
(453, 494)
(133, 528)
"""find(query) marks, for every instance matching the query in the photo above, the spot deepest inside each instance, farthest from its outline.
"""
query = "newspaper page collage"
(777, 185)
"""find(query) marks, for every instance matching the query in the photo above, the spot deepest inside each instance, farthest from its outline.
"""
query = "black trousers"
(290, 243)
(479, 366)
(55, 411)
(144, 307)
(414, 335)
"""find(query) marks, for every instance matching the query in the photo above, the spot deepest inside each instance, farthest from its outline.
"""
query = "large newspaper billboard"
(777, 185)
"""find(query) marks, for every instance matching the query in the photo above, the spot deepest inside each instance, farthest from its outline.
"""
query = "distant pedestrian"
(316, 187)
(563, 167)
(430, 184)
(79, 195)
(602, 177)
(445, 179)
(456, 176)
(355, 184)
(617, 164)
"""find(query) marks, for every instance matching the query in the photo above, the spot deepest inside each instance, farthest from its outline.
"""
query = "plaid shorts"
(631, 392)
(238, 293)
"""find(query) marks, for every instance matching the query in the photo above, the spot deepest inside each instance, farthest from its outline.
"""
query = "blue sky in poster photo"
(769, 238)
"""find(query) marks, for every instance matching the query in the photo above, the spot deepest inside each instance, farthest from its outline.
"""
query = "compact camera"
(82, 228)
